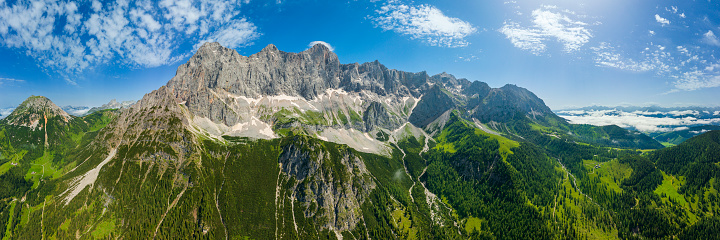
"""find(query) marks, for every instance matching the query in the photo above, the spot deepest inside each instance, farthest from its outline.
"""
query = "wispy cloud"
(424, 22)
(661, 20)
(10, 81)
(313, 43)
(687, 69)
(136, 33)
(548, 23)
(607, 55)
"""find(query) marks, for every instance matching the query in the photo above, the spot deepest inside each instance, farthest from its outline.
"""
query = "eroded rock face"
(336, 184)
(229, 89)
(376, 115)
(431, 106)
(221, 85)
(501, 104)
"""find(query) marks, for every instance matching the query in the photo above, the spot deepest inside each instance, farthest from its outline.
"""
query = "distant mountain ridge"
(113, 104)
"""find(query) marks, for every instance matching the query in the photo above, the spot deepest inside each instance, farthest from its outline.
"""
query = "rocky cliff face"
(336, 184)
(431, 106)
(229, 94)
(503, 103)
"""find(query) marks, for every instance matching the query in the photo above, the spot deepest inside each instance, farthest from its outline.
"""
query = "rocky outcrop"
(338, 183)
(212, 81)
(431, 106)
(502, 104)
(376, 115)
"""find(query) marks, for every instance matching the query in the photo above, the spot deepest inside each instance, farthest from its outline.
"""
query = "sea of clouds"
(644, 120)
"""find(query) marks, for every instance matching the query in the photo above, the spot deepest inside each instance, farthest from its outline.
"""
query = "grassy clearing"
(42, 168)
(669, 188)
(505, 144)
(8, 228)
(473, 223)
(403, 223)
(14, 158)
(103, 229)
(593, 232)
(611, 173)
(446, 147)
(65, 225)
(6, 166)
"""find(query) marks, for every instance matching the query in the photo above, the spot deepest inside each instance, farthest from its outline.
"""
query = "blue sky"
(570, 53)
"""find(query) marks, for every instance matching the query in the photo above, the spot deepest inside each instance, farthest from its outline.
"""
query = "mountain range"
(300, 146)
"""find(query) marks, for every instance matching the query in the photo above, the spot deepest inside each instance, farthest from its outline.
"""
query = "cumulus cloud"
(637, 120)
(313, 43)
(548, 23)
(424, 22)
(137, 33)
(236, 34)
(4, 112)
(710, 38)
(661, 20)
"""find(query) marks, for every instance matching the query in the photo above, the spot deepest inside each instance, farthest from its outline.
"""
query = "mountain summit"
(35, 111)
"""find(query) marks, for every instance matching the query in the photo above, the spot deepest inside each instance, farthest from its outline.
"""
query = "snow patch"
(254, 128)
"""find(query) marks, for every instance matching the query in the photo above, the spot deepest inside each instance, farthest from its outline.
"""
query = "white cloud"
(637, 120)
(675, 10)
(688, 70)
(137, 33)
(313, 43)
(96, 5)
(700, 131)
(4, 112)
(661, 20)
(683, 113)
(237, 34)
(548, 25)
(10, 81)
(424, 22)
(694, 80)
(710, 38)
(651, 32)
(606, 55)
